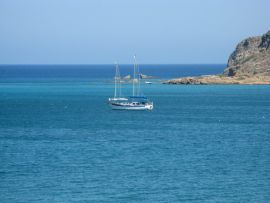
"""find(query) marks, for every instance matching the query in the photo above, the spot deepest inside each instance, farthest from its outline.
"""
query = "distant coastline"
(220, 79)
(249, 64)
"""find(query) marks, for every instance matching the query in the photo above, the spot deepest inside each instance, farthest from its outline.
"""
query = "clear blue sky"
(102, 31)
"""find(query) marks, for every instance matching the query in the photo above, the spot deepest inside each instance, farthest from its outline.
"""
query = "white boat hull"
(131, 107)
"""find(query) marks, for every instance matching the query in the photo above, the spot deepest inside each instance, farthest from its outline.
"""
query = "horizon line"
(87, 64)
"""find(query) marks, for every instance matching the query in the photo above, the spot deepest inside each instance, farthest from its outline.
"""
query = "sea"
(61, 142)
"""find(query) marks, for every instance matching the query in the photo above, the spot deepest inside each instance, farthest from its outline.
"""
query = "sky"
(105, 31)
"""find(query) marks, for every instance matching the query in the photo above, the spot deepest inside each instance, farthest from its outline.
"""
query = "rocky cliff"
(251, 57)
(248, 64)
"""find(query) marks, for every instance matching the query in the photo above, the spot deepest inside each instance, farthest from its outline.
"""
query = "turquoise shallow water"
(60, 142)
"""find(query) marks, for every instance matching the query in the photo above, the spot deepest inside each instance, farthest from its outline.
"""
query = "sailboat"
(134, 102)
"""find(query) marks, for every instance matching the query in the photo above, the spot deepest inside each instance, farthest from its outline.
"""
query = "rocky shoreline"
(220, 80)
(249, 64)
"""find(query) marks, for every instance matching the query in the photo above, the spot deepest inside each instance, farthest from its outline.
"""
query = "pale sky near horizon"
(104, 31)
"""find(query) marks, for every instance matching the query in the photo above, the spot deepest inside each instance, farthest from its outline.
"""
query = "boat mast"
(115, 80)
(134, 73)
(139, 81)
(119, 81)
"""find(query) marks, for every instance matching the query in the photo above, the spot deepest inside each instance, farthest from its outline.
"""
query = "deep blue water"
(60, 142)
(32, 73)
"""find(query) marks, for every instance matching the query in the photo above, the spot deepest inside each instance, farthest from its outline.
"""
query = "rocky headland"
(248, 64)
